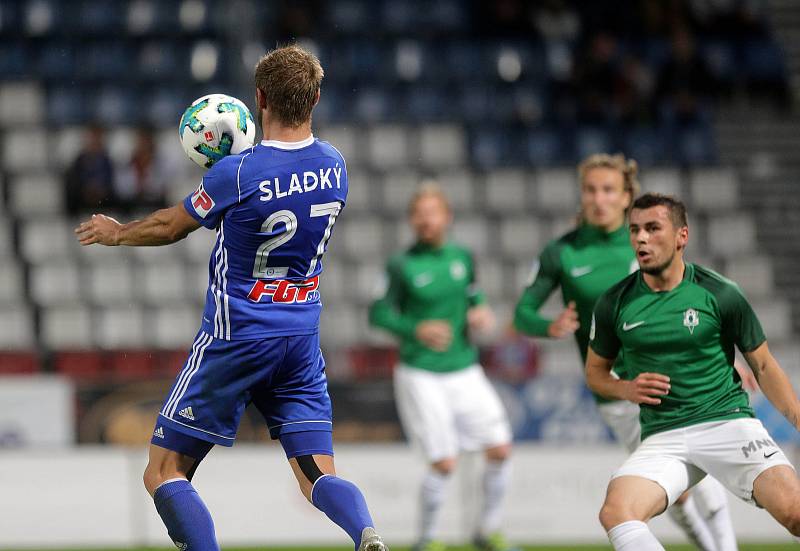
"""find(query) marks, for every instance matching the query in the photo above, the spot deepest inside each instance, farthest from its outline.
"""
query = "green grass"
(742, 547)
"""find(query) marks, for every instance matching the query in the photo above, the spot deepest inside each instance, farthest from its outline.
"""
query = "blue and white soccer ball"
(215, 126)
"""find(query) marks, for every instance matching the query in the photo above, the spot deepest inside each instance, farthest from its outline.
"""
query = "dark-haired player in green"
(676, 325)
(584, 263)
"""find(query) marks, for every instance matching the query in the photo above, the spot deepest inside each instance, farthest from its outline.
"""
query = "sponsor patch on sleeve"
(202, 202)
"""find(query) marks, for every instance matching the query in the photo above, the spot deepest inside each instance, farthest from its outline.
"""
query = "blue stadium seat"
(165, 106)
(94, 16)
(162, 61)
(56, 60)
(647, 145)
(15, 60)
(104, 60)
(592, 139)
(463, 60)
(545, 146)
(493, 148)
(763, 60)
(721, 58)
(695, 145)
(372, 104)
(66, 105)
(427, 104)
(115, 105)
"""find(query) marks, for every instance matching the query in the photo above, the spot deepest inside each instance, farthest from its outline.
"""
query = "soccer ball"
(214, 126)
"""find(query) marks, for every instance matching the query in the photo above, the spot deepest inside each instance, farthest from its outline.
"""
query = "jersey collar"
(288, 145)
(688, 277)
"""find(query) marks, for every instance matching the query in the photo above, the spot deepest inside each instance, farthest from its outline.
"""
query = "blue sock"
(344, 504)
(186, 517)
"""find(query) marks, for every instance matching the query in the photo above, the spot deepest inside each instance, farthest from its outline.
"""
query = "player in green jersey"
(584, 263)
(446, 403)
(677, 324)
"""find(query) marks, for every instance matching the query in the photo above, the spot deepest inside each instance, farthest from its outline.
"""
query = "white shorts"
(622, 417)
(734, 452)
(445, 413)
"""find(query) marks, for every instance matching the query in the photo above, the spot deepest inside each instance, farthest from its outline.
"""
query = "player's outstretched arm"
(163, 227)
(644, 389)
(774, 383)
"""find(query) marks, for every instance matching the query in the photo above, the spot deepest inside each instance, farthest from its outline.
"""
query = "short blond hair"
(290, 79)
(627, 167)
(428, 188)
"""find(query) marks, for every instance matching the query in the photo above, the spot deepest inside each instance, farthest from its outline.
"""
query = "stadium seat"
(360, 182)
(17, 330)
(459, 187)
(27, 151)
(19, 363)
(67, 327)
(109, 283)
(99, 255)
(557, 191)
(173, 327)
(85, 365)
(520, 237)
(199, 245)
(21, 103)
(368, 282)
(35, 193)
(442, 146)
(346, 139)
(545, 147)
(473, 233)
(372, 105)
(590, 140)
(340, 326)
(492, 279)
(775, 316)
(66, 105)
(752, 273)
(119, 327)
(714, 189)
(6, 239)
(112, 105)
(661, 180)
(54, 283)
(162, 283)
(424, 104)
(398, 188)
(506, 190)
(12, 287)
(361, 237)
(65, 144)
(47, 239)
(402, 235)
(372, 362)
(388, 146)
(196, 283)
(732, 234)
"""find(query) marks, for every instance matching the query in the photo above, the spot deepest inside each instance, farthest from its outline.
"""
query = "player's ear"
(683, 237)
(261, 99)
(316, 100)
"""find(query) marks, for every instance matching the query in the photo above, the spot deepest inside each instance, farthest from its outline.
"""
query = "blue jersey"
(273, 207)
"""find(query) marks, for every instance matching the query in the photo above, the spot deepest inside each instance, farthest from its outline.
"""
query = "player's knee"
(791, 520)
(499, 453)
(613, 513)
(444, 466)
(152, 478)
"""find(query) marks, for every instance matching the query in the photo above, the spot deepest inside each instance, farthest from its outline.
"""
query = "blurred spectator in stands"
(144, 180)
(556, 21)
(595, 78)
(685, 79)
(634, 92)
(89, 180)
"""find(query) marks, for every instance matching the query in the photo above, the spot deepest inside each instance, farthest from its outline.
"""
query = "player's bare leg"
(186, 517)
(339, 499)
(630, 502)
(778, 491)
(684, 512)
(495, 483)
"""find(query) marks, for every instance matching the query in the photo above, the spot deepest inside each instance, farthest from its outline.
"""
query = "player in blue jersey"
(273, 207)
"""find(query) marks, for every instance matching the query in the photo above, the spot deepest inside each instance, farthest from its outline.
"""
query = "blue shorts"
(284, 377)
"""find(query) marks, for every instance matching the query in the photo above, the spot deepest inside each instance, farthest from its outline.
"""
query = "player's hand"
(481, 319)
(749, 382)
(565, 324)
(100, 229)
(646, 388)
(435, 334)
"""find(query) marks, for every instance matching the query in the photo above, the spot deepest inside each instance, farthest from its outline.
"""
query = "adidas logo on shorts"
(187, 413)
(159, 432)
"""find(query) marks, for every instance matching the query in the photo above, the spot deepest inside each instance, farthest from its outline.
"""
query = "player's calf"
(777, 490)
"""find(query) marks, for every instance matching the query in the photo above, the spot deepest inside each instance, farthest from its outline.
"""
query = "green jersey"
(585, 263)
(429, 283)
(688, 334)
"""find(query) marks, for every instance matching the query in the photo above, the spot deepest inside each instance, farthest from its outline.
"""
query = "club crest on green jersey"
(458, 270)
(691, 319)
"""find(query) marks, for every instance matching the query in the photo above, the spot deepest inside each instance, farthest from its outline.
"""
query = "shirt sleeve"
(603, 338)
(545, 277)
(739, 321)
(218, 191)
(386, 312)
(475, 295)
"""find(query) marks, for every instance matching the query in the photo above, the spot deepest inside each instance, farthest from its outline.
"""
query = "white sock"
(712, 503)
(693, 524)
(633, 535)
(495, 484)
(434, 487)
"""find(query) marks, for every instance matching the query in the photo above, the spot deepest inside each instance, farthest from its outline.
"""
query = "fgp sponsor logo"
(754, 445)
(285, 292)
(202, 202)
